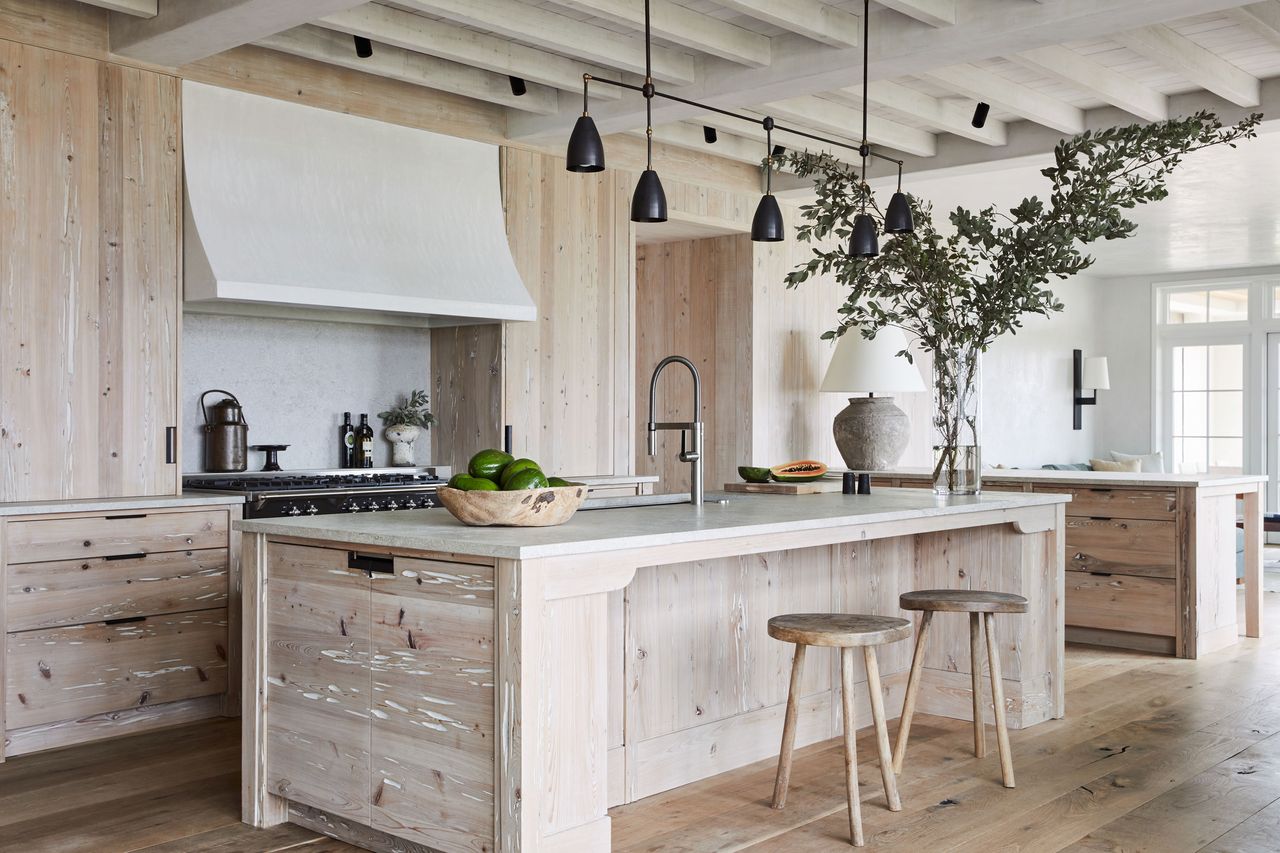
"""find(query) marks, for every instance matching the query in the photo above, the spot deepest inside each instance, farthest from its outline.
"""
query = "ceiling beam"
(690, 137)
(334, 48)
(811, 18)
(183, 31)
(1091, 76)
(935, 13)
(457, 44)
(1262, 18)
(898, 48)
(941, 113)
(982, 85)
(1206, 69)
(553, 31)
(835, 118)
(684, 26)
(141, 8)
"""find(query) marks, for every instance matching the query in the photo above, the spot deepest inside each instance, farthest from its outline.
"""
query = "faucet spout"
(691, 450)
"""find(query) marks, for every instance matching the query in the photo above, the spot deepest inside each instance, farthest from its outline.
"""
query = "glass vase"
(957, 399)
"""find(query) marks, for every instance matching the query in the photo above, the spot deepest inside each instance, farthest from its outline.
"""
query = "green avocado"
(526, 479)
(515, 468)
(488, 464)
(560, 482)
(467, 483)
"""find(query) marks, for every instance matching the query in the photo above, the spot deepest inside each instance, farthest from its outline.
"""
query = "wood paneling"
(1123, 546)
(1117, 502)
(89, 289)
(466, 382)
(1134, 604)
(39, 539)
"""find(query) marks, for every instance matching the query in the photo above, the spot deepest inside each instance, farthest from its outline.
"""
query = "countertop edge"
(21, 508)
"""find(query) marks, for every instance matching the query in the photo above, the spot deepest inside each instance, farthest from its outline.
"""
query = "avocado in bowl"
(754, 475)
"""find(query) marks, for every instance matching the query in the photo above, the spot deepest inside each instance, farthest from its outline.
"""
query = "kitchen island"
(409, 679)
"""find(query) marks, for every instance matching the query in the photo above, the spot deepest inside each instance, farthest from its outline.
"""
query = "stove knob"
(372, 506)
(391, 505)
(410, 503)
(350, 506)
(312, 509)
(292, 509)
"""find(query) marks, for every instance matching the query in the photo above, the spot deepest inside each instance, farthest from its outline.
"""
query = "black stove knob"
(292, 509)
(391, 505)
(312, 509)
(350, 506)
(372, 506)
(410, 503)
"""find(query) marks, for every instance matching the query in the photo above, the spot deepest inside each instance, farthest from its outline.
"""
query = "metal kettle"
(226, 434)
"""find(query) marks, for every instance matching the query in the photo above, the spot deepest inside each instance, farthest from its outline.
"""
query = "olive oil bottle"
(364, 443)
(346, 442)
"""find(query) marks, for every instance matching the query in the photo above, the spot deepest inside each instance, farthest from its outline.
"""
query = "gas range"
(281, 494)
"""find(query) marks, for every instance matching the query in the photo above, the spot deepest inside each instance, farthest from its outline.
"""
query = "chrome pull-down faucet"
(691, 449)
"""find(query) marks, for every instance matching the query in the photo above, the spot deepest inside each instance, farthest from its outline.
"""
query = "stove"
(282, 494)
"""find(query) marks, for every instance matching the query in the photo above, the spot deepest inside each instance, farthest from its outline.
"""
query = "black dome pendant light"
(649, 204)
(586, 148)
(767, 225)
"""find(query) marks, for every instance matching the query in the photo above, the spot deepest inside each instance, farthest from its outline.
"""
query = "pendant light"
(767, 225)
(897, 217)
(649, 204)
(586, 148)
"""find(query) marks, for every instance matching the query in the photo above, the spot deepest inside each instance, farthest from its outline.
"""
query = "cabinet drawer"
(1122, 546)
(1122, 603)
(40, 539)
(1116, 503)
(68, 673)
(94, 589)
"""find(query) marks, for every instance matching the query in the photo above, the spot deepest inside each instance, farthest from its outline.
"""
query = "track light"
(709, 134)
(586, 149)
(767, 225)
(518, 86)
(897, 217)
(864, 243)
(649, 204)
(980, 114)
(364, 47)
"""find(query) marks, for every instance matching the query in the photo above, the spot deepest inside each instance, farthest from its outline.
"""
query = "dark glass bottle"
(346, 443)
(364, 443)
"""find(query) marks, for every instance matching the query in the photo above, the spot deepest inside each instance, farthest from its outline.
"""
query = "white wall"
(295, 378)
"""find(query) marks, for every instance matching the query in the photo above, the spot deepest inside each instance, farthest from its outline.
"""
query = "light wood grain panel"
(40, 540)
(66, 673)
(72, 592)
(445, 582)
(466, 381)
(1122, 546)
(1123, 603)
(110, 725)
(1117, 502)
(1215, 572)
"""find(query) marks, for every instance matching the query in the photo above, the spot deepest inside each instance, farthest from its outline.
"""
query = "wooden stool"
(845, 632)
(981, 607)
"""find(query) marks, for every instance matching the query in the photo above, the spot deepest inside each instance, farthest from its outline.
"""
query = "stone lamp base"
(871, 433)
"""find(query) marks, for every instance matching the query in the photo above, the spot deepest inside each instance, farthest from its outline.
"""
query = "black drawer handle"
(1100, 518)
(137, 556)
(1101, 491)
(124, 517)
(371, 563)
(124, 620)
(170, 445)
(1101, 574)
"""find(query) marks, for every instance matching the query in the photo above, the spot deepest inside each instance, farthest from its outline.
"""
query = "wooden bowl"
(525, 508)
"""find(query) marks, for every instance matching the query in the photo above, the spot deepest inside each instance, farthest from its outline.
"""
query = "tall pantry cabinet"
(90, 218)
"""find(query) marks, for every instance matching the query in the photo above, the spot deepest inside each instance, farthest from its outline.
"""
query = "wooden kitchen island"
(415, 684)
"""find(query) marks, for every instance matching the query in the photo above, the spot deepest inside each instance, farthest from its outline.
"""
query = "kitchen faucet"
(692, 451)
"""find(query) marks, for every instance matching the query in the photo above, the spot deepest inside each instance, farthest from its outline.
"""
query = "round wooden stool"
(845, 632)
(981, 607)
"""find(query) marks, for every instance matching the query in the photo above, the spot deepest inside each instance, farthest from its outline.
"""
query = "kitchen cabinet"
(89, 225)
(116, 621)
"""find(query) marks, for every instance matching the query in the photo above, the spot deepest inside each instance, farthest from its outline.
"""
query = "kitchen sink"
(634, 501)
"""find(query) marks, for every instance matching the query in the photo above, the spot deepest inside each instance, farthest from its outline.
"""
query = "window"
(1208, 305)
(1207, 390)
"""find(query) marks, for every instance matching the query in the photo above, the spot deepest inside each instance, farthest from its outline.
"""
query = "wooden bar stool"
(845, 632)
(981, 607)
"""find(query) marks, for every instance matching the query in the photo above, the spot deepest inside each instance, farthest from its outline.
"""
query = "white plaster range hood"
(293, 211)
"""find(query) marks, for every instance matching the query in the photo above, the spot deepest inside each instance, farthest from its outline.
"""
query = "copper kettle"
(226, 434)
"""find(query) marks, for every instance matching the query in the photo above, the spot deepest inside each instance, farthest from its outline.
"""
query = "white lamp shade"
(871, 366)
(1094, 374)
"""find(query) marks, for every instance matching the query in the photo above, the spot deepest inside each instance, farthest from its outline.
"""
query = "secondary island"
(415, 684)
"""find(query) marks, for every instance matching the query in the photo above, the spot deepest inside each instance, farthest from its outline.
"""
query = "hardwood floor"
(1156, 754)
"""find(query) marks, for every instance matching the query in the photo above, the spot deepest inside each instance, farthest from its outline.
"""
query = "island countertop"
(595, 531)
(1069, 479)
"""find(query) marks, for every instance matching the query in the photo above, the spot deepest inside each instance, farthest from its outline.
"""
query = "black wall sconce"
(1088, 373)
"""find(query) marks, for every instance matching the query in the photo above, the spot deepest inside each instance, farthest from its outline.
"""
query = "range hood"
(293, 211)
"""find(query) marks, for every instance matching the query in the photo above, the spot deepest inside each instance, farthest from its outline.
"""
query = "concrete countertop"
(117, 504)
(639, 527)
(1089, 478)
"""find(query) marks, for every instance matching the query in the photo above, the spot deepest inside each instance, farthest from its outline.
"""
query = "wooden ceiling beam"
(552, 31)
(1262, 18)
(810, 18)
(457, 44)
(1174, 51)
(183, 31)
(140, 8)
(335, 48)
(1093, 77)
(982, 85)
(940, 113)
(685, 27)
(831, 117)
(935, 13)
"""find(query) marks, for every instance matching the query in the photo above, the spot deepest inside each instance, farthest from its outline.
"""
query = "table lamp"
(871, 432)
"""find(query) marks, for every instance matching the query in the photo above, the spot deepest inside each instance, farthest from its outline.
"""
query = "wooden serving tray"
(817, 487)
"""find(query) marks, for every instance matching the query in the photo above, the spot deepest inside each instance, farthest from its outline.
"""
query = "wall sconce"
(1088, 373)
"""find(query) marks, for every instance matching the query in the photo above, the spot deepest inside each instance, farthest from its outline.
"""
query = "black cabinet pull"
(124, 620)
(137, 556)
(1100, 518)
(124, 517)
(1101, 574)
(371, 564)
(170, 445)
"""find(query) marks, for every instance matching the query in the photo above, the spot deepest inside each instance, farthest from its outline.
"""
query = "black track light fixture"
(897, 216)
(980, 114)
(586, 148)
(709, 134)
(767, 225)
(649, 203)
(864, 243)
(778, 151)
(518, 86)
(364, 47)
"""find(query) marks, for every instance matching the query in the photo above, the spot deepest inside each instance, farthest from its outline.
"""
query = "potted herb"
(404, 422)
(958, 291)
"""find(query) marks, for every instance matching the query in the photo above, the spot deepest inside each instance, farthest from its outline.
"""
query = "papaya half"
(802, 471)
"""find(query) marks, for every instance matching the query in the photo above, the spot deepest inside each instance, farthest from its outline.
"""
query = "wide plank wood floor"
(1156, 755)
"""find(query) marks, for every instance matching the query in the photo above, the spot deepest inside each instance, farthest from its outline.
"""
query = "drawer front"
(94, 589)
(1116, 503)
(69, 673)
(1122, 603)
(1122, 546)
(40, 540)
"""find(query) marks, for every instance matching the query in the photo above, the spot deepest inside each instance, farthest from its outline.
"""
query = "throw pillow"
(1131, 466)
(1151, 463)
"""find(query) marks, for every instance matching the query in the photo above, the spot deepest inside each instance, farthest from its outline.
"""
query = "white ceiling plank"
(183, 31)
(1180, 54)
(690, 137)
(1261, 18)
(336, 48)
(547, 29)
(458, 44)
(686, 27)
(1090, 76)
(899, 47)
(935, 13)
(811, 18)
(141, 8)
(840, 120)
(983, 85)
(943, 114)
